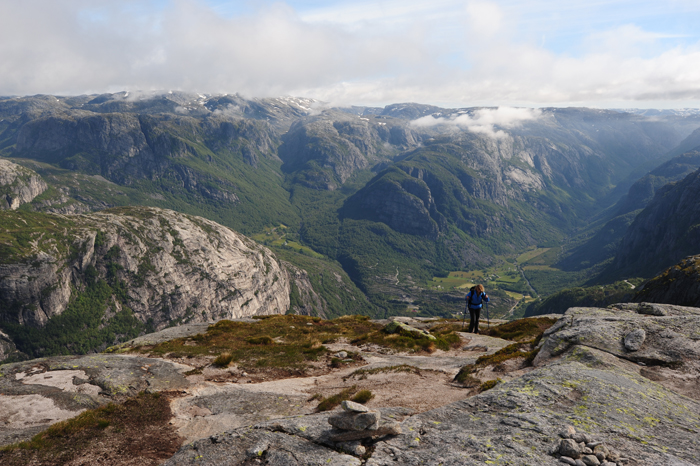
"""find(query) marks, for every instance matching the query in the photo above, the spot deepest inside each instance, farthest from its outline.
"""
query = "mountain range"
(364, 205)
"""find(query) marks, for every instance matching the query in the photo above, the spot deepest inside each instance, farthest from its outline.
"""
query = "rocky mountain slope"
(122, 270)
(679, 284)
(604, 244)
(666, 231)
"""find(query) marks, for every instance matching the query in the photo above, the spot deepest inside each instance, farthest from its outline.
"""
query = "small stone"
(580, 463)
(568, 432)
(608, 463)
(613, 455)
(244, 374)
(601, 450)
(580, 437)
(354, 448)
(587, 451)
(355, 421)
(348, 405)
(590, 460)
(635, 339)
(568, 447)
(592, 445)
(342, 354)
(567, 460)
(309, 323)
(600, 456)
(476, 348)
(389, 428)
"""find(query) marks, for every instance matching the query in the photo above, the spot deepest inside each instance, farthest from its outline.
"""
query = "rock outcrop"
(8, 348)
(324, 151)
(38, 393)
(178, 268)
(679, 284)
(18, 185)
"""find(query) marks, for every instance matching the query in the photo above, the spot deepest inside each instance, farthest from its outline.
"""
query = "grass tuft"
(363, 396)
(223, 360)
(488, 385)
(522, 329)
(363, 373)
(332, 401)
(262, 340)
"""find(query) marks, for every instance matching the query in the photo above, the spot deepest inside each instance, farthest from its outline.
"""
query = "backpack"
(473, 294)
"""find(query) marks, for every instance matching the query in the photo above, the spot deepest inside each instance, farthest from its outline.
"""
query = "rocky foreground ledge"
(626, 378)
(609, 386)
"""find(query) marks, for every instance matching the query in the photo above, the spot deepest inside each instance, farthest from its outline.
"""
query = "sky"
(518, 53)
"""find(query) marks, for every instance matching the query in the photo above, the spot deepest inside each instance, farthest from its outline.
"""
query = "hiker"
(475, 299)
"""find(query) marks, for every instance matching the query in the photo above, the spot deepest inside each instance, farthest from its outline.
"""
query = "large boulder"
(652, 334)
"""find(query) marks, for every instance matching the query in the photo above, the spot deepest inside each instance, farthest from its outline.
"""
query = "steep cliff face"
(606, 241)
(126, 147)
(679, 284)
(161, 266)
(324, 151)
(18, 185)
(666, 231)
(643, 191)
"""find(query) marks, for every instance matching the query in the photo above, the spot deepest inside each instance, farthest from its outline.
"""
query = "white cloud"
(488, 121)
(446, 52)
(484, 18)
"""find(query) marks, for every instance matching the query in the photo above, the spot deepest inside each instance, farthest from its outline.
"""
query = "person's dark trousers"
(474, 320)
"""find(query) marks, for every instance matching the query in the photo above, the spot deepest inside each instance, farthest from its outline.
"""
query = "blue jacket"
(477, 301)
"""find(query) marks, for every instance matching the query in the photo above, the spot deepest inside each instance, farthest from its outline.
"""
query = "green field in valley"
(278, 237)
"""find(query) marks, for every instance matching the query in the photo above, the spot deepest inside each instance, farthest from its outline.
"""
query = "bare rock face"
(171, 267)
(311, 304)
(18, 185)
(35, 394)
(652, 334)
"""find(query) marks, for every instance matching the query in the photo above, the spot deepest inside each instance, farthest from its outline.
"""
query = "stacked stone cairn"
(359, 422)
(579, 449)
